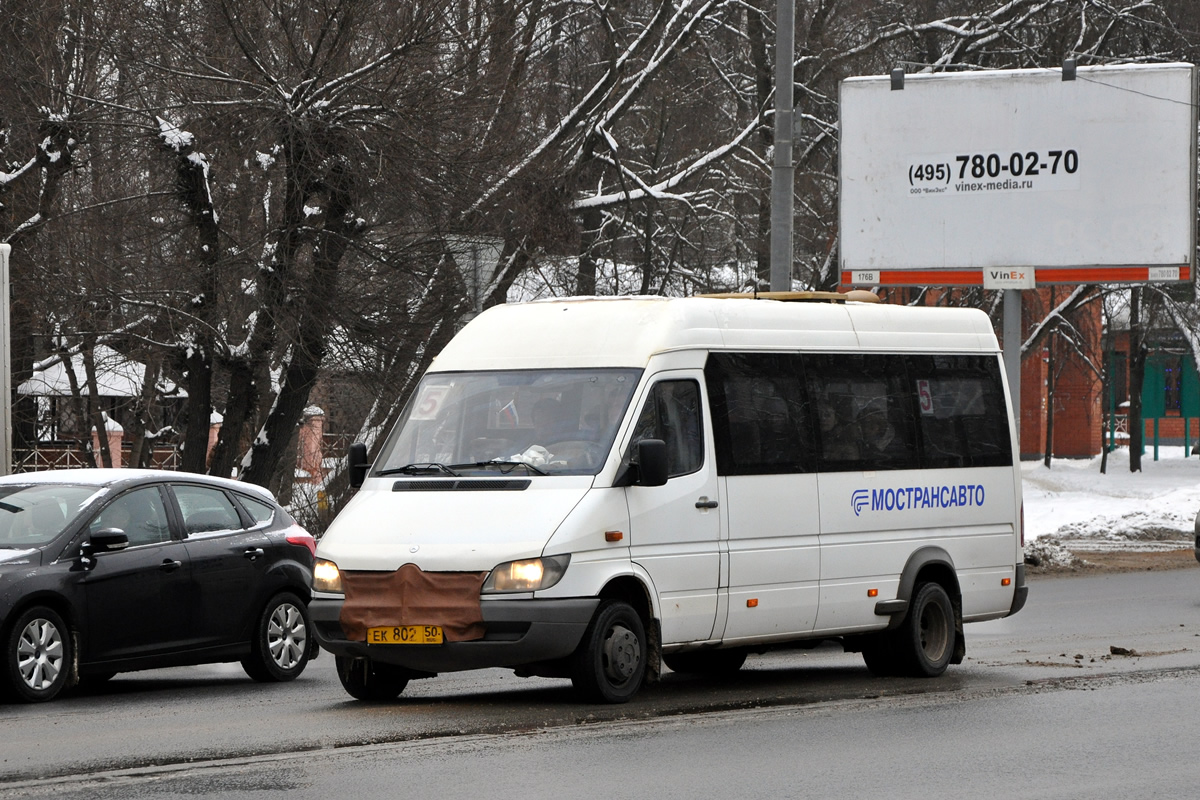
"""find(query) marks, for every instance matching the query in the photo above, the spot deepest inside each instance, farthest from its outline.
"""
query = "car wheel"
(927, 635)
(38, 655)
(610, 663)
(280, 647)
(707, 662)
(366, 680)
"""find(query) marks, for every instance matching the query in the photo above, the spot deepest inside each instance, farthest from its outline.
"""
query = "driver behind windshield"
(550, 422)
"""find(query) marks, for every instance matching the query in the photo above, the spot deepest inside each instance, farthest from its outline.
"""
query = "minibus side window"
(963, 419)
(864, 412)
(672, 413)
(760, 413)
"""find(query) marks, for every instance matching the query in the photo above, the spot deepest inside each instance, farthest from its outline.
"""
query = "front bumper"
(518, 632)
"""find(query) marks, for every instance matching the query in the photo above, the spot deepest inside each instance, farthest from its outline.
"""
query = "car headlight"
(529, 575)
(326, 577)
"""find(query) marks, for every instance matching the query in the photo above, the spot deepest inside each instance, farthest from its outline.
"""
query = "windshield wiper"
(418, 468)
(504, 466)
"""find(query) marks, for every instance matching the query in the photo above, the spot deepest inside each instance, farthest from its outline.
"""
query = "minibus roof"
(627, 331)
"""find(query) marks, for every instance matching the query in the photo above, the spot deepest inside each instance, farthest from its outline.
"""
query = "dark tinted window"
(206, 510)
(261, 512)
(672, 413)
(962, 415)
(139, 513)
(760, 415)
(864, 412)
(791, 412)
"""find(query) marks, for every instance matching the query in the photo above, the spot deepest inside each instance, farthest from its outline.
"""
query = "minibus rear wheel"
(610, 663)
(363, 679)
(927, 635)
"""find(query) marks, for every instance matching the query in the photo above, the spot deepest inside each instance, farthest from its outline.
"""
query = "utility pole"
(784, 171)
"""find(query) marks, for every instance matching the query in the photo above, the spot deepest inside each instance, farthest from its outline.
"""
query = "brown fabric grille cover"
(409, 596)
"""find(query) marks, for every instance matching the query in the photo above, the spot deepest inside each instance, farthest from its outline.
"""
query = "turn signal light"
(613, 536)
(1006, 581)
(752, 602)
(872, 593)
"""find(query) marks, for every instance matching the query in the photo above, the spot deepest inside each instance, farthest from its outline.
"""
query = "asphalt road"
(1104, 666)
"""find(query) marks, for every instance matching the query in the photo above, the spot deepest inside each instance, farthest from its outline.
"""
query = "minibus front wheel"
(364, 679)
(610, 664)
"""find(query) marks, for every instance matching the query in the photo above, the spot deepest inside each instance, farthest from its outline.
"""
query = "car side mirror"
(356, 463)
(651, 462)
(105, 540)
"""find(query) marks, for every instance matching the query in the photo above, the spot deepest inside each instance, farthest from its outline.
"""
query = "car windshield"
(521, 422)
(32, 515)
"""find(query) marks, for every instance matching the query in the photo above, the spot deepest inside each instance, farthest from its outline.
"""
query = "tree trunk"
(1105, 391)
(315, 320)
(198, 368)
(1050, 382)
(585, 276)
(139, 443)
(764, 78)
(1137, 373)
(96, 419)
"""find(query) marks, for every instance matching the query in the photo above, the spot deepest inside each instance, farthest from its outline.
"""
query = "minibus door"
(675, 528)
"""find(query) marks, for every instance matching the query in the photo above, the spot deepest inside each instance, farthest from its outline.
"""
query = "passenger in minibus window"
(839, 434)
(881, 441)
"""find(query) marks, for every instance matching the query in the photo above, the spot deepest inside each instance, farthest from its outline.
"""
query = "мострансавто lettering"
(918, 497)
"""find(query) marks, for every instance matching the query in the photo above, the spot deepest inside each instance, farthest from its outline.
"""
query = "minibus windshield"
(527, 422)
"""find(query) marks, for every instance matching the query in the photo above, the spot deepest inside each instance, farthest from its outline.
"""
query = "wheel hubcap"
(286, 636)
(934, 636)
(622, 654)
(40, 654)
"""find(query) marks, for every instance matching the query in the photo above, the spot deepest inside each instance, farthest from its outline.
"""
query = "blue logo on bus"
(917, 497)
(860, 498)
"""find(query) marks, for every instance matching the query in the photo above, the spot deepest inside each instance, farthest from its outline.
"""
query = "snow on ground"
(1121, 510)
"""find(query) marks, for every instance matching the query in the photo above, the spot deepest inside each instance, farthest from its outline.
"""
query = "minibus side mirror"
(356, 462)
(652, 462)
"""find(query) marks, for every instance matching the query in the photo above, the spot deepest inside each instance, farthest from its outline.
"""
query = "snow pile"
(1121, 510)
(1047, 553)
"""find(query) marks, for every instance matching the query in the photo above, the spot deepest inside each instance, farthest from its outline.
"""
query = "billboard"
(1016, 178)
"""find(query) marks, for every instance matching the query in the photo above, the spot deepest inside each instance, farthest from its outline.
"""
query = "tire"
(366, 680)
(38, 656)
(610, 663)
(927, 636)
(707, 662)
(280, 648)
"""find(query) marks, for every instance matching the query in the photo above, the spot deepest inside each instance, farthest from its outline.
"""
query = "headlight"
(326, 577)
(530, 575)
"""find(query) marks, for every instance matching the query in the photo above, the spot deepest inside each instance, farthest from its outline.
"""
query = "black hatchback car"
(112, 570)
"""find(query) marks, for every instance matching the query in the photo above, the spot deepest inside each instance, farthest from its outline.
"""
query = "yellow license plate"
(405, 634)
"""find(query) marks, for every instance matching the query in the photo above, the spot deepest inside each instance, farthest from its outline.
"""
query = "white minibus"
(592, 488)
